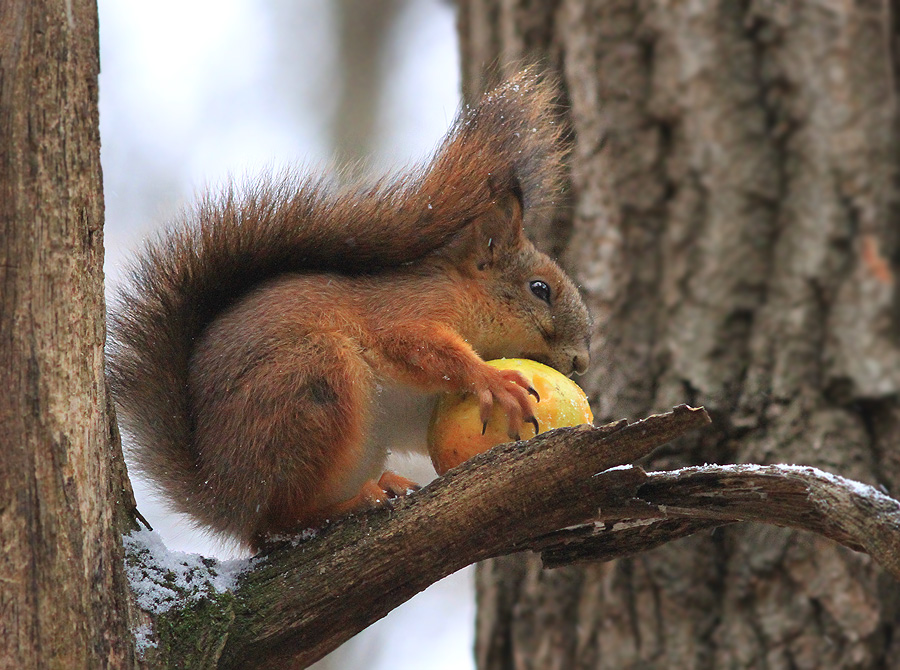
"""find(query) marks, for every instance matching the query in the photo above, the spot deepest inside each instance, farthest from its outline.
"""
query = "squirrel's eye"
(541, 290)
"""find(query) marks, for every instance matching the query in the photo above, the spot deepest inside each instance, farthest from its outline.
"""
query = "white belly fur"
(399, 425)
(400, 419)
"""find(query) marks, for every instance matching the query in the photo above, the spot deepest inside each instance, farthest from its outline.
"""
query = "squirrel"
(270, 349)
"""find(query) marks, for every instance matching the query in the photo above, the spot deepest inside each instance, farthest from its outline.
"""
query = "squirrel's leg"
(328, 426)
(281, 425)
(373, 494)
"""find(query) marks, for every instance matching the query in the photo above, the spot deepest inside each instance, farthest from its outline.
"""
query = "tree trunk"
(364, 34)
(733, 222)
(63, 596)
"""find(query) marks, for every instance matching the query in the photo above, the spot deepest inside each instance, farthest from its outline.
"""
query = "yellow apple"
(454, 434)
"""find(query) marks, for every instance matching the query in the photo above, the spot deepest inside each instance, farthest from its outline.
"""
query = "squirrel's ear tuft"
(512, 141)
(501, 225)
(492, 235)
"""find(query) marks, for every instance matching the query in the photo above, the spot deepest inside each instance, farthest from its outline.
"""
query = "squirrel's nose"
(580, 361)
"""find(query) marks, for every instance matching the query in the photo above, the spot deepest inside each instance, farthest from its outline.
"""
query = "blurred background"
(195, 92)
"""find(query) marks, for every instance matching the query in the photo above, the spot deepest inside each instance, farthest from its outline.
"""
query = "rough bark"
(734, 225)
(63, 597)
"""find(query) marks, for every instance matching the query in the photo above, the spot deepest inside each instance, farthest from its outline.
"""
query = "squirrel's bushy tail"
(229, 243)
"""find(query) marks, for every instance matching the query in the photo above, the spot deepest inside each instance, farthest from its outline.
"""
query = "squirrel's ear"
(490, 236)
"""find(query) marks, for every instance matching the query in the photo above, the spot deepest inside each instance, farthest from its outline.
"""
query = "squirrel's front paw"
(510, 389)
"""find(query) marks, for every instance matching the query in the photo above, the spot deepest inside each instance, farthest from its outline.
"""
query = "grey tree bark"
(734, 223)
(63, 595)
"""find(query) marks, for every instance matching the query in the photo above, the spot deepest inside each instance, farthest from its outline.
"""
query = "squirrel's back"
(230, 243)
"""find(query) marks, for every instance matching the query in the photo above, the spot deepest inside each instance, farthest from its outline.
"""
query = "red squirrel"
(272, 347)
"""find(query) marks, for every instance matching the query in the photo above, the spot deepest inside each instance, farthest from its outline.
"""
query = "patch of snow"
(143, 639)
(627, 466)
(162, 579)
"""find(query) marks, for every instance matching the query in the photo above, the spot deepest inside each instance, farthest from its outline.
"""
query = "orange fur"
(258, 348)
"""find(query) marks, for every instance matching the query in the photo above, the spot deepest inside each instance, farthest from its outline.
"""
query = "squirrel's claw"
(510, 389)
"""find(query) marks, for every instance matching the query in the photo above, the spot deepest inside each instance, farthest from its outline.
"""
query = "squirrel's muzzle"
(580, 361)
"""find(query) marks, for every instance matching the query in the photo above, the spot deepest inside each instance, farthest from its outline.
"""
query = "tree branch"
(670, 505)
(302, 602)
(303, 599)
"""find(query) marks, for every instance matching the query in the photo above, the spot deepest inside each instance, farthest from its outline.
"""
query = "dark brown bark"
(734, 224)
(63, 596)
